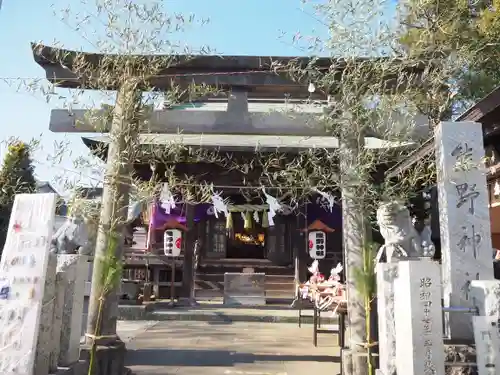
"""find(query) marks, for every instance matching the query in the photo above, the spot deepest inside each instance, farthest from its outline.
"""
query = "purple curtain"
(160, 217)
(316, 210)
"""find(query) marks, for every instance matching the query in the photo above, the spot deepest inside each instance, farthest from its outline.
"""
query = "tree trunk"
(355, 235)
(102, 315)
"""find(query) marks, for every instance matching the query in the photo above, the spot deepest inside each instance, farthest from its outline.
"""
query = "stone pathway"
(129, 330)
(209, 348)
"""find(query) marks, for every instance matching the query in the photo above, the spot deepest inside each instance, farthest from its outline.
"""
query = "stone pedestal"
(346, 361)
(386, 275)
(418, 318)
(463, 217)
(75, 270)
(109, 359)
(45, 345)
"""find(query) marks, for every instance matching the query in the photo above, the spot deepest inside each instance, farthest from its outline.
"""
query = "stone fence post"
(74, 274)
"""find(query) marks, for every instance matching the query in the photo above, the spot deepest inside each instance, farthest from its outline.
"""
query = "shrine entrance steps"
(209, 279)
(217, 313)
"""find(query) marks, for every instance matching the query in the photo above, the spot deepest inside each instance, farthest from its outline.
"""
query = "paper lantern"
(317, 244)
(172, 242)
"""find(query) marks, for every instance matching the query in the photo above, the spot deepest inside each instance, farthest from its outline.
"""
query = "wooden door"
(278, 248)
(216, 240)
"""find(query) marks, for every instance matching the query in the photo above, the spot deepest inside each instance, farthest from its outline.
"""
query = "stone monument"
(23, 268)
(485, 295)
(418, 318)
(402, 241)
(244, 289)
(464, 218)
(487, 344)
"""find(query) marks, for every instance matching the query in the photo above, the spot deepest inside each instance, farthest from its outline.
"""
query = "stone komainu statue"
(402, 240)
(134, 220)
(72, 237)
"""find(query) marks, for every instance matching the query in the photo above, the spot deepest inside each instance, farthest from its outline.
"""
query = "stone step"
(267, 269)
(207, 295)
(219, 277)
(213, 285)
(213, 313)
(219, 286)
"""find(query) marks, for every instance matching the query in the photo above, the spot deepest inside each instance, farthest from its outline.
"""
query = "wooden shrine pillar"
(277, 251)
(299, 247)
(188, 249)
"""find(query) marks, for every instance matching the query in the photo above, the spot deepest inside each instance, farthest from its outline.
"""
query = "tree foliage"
(467, 31)
(16, 177)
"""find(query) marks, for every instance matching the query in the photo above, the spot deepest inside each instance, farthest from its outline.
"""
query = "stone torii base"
(109, 359)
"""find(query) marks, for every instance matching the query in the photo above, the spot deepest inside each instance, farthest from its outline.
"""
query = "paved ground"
(209, 348)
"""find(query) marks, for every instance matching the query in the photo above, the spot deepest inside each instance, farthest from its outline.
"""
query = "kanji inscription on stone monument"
(418, 318)
(463, 217)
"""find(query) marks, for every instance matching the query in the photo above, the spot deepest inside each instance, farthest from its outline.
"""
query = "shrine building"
(252, 114)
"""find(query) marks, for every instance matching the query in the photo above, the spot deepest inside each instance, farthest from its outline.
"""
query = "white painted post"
(386, 275)
(23, 270)
(418, 318)
(464, 218)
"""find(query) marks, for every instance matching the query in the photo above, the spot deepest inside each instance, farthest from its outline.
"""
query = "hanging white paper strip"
(329, 198)
(167, 199)
(274, 207)
(219, 205)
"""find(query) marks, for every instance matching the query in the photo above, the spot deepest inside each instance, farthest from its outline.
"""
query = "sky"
(243, 27)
